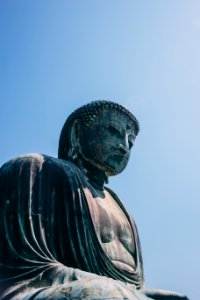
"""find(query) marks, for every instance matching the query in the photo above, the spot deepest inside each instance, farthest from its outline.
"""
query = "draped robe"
(47, 233)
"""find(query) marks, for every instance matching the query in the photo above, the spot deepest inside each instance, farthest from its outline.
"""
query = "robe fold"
(46, 229)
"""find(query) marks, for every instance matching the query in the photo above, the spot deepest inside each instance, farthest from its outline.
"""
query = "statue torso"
(113, 230)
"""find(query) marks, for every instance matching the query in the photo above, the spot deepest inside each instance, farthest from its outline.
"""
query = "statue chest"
(113, 228)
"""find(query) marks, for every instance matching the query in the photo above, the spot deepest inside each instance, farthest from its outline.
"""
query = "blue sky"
(58, 55)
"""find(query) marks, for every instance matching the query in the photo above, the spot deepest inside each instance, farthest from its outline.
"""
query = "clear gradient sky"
(57, 55)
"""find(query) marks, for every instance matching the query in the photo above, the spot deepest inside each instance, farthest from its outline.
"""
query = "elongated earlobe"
(74, 141)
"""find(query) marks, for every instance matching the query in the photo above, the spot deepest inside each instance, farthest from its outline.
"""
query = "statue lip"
(119, 157)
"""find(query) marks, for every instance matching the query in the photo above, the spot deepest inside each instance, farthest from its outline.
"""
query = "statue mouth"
(115, 163)
(118, 158)
(109, 169)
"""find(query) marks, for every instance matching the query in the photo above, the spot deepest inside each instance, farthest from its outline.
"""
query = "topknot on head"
(88, 113)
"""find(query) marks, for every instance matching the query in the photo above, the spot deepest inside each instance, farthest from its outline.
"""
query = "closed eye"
(114, 131)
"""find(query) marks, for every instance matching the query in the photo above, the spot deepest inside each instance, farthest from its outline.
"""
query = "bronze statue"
(64, 235)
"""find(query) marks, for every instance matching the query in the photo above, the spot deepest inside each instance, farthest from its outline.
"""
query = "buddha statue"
(64, 234)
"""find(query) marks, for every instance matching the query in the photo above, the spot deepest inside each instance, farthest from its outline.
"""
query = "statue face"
(107, 143)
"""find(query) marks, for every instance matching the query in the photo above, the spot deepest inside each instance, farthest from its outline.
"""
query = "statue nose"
(123, 148)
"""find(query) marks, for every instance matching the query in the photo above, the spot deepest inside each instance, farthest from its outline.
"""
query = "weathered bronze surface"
(64, 235)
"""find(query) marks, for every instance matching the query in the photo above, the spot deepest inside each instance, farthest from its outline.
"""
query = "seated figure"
(64, 235)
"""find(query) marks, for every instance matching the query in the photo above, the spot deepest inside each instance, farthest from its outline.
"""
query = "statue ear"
(74, 140)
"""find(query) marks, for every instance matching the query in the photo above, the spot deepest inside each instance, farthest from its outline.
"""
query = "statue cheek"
(122, 165)
(98, 151)
(101, 151)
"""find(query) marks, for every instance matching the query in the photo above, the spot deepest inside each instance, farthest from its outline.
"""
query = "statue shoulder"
(23, 159)
(37, 162)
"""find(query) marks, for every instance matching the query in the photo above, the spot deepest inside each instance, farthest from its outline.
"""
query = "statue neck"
(97, 177)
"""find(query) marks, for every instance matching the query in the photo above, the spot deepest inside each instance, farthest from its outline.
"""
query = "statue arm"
(164, 295)
(59, 282)
(39, 201)
(38, 226)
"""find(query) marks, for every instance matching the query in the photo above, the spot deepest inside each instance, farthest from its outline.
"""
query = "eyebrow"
(129, 127)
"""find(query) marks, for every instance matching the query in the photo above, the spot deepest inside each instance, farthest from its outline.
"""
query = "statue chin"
(114, 170)
(110, 166)
(104, 167)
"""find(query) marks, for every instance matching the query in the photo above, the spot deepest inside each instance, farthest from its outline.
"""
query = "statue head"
(100, 135)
